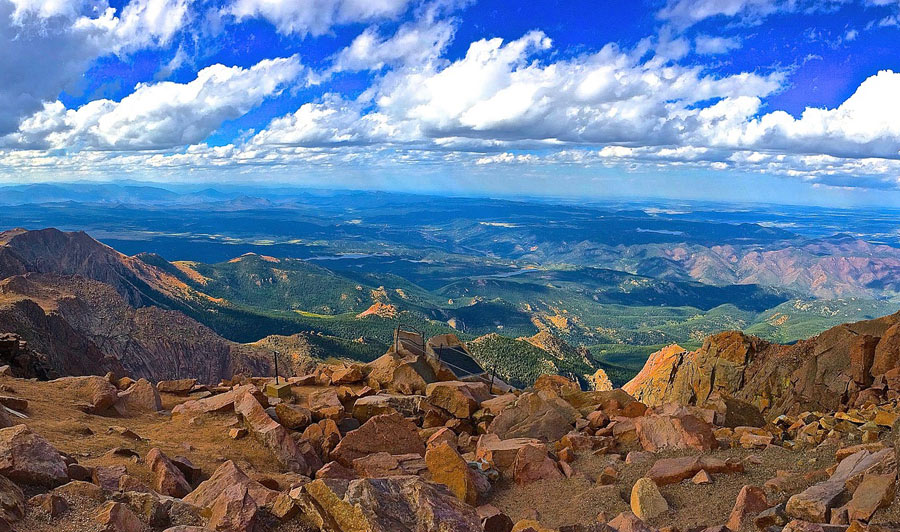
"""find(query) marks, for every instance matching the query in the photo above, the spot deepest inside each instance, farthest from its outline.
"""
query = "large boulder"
(27, 458)
(555, 384)
(226, 475)
(176, 387)
(141, 398)
(816, 502)
(501, 454)
(887, 353)
(368, 407)
(670, 432)
(459, 399)
(533, 463)
(274, 436)
(447, 467)
(405, 372)
(325, 404)
(116, 517)
(167, 478)
(536, 415)
(293, 417)
(673, 470)
(380, 465)
(98, 393)
(396, 504)
(388, 433)
(216, 404)
(234, 510)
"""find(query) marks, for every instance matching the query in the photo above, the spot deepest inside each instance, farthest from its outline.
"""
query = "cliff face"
(840, 366)
(85, 327)
(57, 252)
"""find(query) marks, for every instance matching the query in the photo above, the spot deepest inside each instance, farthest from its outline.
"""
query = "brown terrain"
(184, 432)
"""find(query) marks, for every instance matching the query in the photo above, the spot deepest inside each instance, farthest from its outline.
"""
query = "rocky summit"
(739, 435)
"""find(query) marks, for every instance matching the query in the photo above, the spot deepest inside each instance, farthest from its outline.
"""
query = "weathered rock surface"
(388, 433)
(397, 504)
(535, 415)
(27, 458)
(271, 434)
(646, 500)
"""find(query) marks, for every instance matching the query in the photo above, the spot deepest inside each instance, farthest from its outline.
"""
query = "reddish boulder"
(669, 432)
(750, 501)
(887, 352)
(167, 478)
(234, 510)
(27, 458)
(141, 398)
(533, 463)
(271, 434)
(459, 399)
(116, 517)
(389, 433)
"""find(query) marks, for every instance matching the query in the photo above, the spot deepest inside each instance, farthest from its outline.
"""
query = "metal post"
(276, 368)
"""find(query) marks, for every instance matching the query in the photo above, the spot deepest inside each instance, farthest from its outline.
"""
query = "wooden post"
(276, 367)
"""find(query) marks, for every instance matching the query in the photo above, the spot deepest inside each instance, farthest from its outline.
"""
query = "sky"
(790, 101)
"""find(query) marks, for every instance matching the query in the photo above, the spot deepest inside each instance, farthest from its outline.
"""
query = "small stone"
(116, 517)
(701, 478)
(237, 433)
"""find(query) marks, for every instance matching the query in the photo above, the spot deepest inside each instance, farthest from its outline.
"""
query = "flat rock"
(388, 433)
(176, 387)
(658, 432)
(536, 415)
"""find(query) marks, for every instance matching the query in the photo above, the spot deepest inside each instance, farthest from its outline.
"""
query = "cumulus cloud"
(49, 44)
(315, 17)
(500, 93)
(158, 115)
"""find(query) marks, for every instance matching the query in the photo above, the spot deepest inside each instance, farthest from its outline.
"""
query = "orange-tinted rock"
(234, 510)
(556, 384)
(673, 470)
(347, 375)
(226, 475)
(116, 517)
(532, 463)
(501, 454)
(382, 464)
(142, 397)
(887, 352)
(389, 433)
(669, 432)
(293, 417)
(459, 399)
(274, 436)
(447, 467)
(750, 501)
(176, 387)
(167, 479)
(874, 492)
(862, 358)
(325, 404)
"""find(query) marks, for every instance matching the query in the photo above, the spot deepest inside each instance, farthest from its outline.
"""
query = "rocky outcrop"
(821, 373)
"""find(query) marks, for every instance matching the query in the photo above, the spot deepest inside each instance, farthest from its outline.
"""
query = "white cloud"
(687, 12)
(316, 17)
(707, 45)
(159, 115)
(48, 44)
(866, 125)
(501, 93)
(414, 43)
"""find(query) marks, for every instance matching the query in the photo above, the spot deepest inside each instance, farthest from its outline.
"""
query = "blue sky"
(764, 100)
